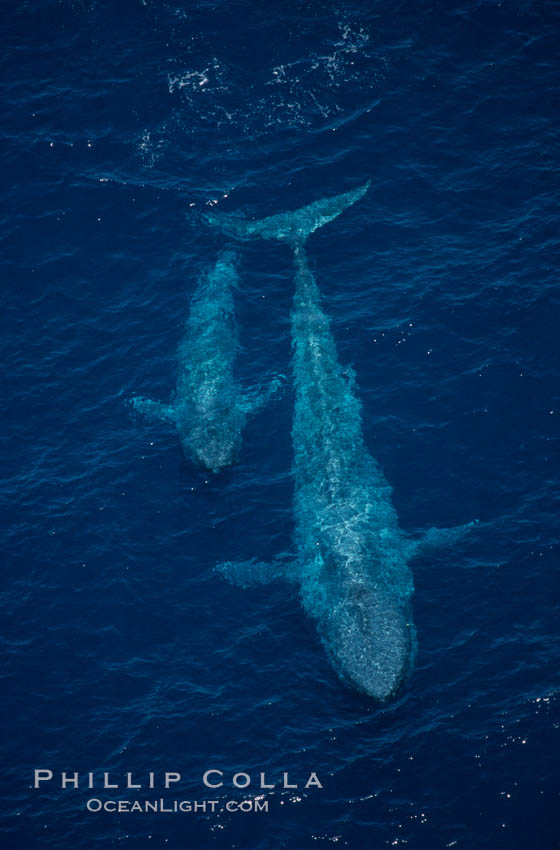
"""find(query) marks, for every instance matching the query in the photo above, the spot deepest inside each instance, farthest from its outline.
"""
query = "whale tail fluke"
(293, 227)
(231, 225)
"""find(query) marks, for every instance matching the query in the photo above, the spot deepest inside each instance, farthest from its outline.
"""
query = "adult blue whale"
(209, 408)
(352, 558)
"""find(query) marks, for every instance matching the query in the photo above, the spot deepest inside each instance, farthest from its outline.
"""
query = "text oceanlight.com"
(257, 804)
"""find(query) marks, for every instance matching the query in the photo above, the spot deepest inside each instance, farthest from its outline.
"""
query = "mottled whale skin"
(352, 558)
(209, 408)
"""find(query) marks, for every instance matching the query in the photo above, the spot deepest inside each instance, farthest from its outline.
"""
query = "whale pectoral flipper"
(249, 573)
(252, 573)
(255, 399)
(154, 409)
(436, 538)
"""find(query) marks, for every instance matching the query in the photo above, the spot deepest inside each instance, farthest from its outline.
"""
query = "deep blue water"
(122, 650)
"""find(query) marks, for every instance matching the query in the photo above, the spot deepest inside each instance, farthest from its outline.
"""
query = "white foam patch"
(151, 145)
(314, 90)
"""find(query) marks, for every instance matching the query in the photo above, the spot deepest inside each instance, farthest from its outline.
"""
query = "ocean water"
(122, 649)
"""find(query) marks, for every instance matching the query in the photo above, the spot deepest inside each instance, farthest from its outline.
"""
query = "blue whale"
(351, 566)
(209, 408)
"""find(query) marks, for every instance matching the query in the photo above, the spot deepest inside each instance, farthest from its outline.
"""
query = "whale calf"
(352, 558)
(209, 408)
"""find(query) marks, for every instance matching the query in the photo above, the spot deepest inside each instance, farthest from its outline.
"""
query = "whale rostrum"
(351, 565)
(209, 408)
